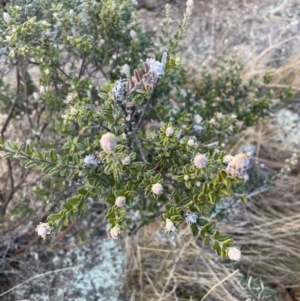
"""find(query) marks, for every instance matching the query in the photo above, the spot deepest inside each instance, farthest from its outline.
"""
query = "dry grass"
(177, 268)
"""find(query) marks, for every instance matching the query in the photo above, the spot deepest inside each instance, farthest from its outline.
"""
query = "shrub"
(110, 118)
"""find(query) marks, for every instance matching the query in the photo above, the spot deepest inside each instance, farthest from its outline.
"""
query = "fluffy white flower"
(120, 201)
(238, 166)
(170, 227)
(108, 142)
(90, 160)
(234, 253)
(155, 68)
(43, 229)
(200, 161)
(157, 189)
(191, 218)
(197, 128)
(169, 131)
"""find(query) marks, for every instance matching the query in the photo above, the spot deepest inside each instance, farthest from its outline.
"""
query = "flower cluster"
(91, 160)
(238, 165)
(108, 142)
(191, 218)
(200, 161)
(118, 91)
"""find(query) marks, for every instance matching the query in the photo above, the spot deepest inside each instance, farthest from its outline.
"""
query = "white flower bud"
(186, 177)
(219, 115)
(126, 161)
(126, 70)
(157, 189)
(108, 142)
(120, 201)
(169, 131)
(114, 232)
(133, 34)
(234, 253)
(170, 226)
(43, 229)
(74, 111)
(6, 17)
(69, 97)
(36, 95)
(189, 6)
(198, 184)
(212, 121)
(191, 142)
(42, 89)
(200, 161)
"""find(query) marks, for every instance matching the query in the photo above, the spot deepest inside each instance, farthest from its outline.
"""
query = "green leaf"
(47, 169)
(53, 156)
(28, 149)
(30, 164)
(73, 201)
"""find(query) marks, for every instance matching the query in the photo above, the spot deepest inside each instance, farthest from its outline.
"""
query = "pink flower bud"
(126, 161)
(170, 226)
(157, 189)
(108, 142)
(191, 142)
(74, 111)
(120, 201)
(114, 232)
(234, 253)
(169, 131)
(200, 161)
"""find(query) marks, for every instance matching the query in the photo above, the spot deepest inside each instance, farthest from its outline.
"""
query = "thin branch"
(10, 113)
(139, 145)
(145, 108)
